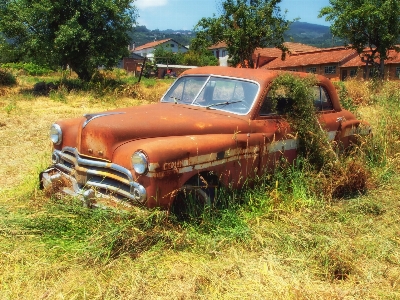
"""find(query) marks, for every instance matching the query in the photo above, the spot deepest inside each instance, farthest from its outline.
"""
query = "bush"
(28, 68)
(6, 78)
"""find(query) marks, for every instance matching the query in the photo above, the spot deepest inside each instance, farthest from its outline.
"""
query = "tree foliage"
(366, 23)
(82, 34)
(244, 26)
(164, 55)
(199, 58)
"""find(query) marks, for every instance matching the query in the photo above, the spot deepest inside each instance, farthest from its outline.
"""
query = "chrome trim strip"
(78, 161)
(90, 117)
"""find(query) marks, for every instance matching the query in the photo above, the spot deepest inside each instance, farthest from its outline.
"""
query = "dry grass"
(24, 125)
(342, 250)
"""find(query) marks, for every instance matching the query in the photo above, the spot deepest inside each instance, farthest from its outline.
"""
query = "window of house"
(397, 72)
(353, 72)
(330, 70)
(311, 70)
(293, 70)
(172, 45)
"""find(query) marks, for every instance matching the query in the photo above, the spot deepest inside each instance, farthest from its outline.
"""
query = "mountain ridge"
(299, 32)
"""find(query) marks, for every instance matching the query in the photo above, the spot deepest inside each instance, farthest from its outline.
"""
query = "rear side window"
(322, 101)
(284, 104)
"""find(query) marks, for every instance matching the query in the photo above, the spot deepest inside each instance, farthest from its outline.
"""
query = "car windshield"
(213, 92)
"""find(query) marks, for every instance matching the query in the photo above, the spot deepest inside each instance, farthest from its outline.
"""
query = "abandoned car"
(213, 126)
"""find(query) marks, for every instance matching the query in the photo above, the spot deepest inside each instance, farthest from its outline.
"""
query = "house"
(261, 56)
(147, 50)
(220, 52)
(357, 68)
(327, 61)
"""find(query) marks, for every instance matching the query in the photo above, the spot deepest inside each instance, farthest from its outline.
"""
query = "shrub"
(6, 78)
(28, 68)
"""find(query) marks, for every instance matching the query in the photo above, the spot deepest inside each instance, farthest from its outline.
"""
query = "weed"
(58, 95)
(345, 98)
(10, 107)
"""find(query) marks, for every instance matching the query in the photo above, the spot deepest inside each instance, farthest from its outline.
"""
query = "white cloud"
(143, 4)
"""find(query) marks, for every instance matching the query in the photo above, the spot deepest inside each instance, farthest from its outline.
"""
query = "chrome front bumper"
(90, 179)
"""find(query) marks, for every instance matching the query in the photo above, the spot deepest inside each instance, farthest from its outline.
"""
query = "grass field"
(275, 246)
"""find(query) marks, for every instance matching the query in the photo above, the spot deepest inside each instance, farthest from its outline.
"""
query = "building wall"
(318, 69)
(392, 72)
(131, 64)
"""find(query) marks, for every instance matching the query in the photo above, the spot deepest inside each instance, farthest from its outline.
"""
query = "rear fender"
(350, 131)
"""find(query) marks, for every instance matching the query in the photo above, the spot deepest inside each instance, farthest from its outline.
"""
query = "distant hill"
(299, 32)
(312, 34)
(141, 35)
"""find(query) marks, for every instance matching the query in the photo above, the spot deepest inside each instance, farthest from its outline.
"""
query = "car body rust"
(224, 137)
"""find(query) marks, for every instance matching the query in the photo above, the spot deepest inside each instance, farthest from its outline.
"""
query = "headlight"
(139, 162)
(56, 134)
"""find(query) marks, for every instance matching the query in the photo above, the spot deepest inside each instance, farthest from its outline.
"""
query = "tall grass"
(298, 233)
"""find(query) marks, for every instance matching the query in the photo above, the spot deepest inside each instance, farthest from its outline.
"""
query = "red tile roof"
(322, 56)
(273, 52)
(217, 46)
(151, 44)
(298, 47)
(393, 58)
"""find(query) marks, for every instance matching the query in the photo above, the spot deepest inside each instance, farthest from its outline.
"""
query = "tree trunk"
(382, 68)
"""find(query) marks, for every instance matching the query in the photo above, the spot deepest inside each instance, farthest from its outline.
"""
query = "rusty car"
(213, 127)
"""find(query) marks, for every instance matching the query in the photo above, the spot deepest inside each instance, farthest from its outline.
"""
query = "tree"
(81, 34)
(199, 58)
(244, 26)
(366, 23)
(164, 55)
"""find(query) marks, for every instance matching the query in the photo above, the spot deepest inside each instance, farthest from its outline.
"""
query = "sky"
(184, 14)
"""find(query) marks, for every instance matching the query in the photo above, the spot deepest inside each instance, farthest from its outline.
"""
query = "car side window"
(280, 107)
(283, 104)
(322, 101)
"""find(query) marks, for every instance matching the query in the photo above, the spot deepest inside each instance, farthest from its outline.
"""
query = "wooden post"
(141, 70)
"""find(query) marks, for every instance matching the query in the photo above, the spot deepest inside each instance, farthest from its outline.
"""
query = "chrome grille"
(105, 177)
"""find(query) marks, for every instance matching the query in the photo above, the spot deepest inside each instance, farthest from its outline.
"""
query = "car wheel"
(192, 200)
(190, 203)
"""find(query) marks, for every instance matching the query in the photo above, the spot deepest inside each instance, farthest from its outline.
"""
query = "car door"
(278, 141)
(329, 119)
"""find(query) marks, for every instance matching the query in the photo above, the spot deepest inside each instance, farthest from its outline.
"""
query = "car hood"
(102, 133)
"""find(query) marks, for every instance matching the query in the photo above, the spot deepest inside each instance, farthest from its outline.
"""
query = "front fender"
(174, 160)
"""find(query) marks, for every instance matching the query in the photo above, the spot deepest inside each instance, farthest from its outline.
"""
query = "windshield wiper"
(175, 99)
(223, 103)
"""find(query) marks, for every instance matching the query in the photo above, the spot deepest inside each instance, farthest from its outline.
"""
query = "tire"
(192, 200)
